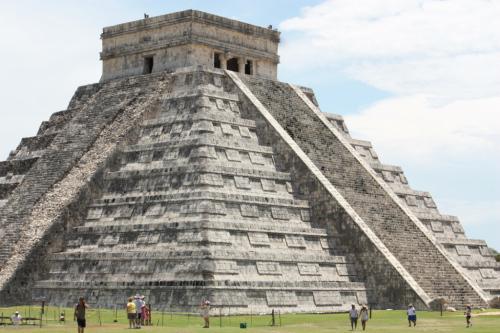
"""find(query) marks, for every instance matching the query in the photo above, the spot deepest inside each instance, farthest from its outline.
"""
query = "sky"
(420, 79)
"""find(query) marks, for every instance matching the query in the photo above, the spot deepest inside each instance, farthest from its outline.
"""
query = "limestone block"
(226, 129)
(242, 182)
(324, 298)
(234, 107)
(305, 215)
(485, 251)
(295, 241)
(203, 151)
(257, 158)
(487, 273)
(258, 238)
(109, 240)
(268, 268)
(203, 126)
(155, 210)
(233, 155)
(308, 269)
(148, 238)
(463, 250)
(388, 177)
(289, 187)
(171, 154)
(437, 226)
(324, 243)
(457, 228)
(342, 269)
(411, 200)
(281, 298)
(245, 132)
(429, 202)
(210, 179)
(177, 128)
(268, 185)
(226, 267)
(249, 210)
(94, 213)
(280, 213)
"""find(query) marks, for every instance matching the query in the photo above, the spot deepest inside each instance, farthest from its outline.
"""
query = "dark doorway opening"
(249, 67)
(232, 65)
(148, 65)
(217, 63)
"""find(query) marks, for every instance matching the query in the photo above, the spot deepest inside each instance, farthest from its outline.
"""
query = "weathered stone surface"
(195, 182)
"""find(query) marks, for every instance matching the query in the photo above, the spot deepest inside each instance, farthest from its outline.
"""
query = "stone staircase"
(418, 253)
(195, 209)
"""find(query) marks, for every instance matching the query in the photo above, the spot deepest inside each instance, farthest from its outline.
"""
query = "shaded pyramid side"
(199, 207)
(63, 173)
(472, 254)
(423, 260)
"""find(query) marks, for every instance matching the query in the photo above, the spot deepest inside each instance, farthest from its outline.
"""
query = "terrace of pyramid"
(189, 172)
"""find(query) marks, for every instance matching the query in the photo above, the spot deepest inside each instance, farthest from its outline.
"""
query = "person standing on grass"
(79, 315)
(363, 315)
(412, 315)
(353, 316)
(468, 315)
(205, 313)
(16, 319)
(131, 314)
(139, 304)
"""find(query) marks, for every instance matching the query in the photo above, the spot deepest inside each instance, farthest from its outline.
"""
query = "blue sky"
(418, 78)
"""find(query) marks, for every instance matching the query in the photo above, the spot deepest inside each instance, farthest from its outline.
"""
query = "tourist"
(363, 315)
(131, 313)
(468, 315)
(16, 319)
(139, 304)
(353, 316)
(412, 315)
(80, 314)
(205, 312)
(145, 316)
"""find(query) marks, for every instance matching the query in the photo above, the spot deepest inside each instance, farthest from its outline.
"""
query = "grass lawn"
(383, 321)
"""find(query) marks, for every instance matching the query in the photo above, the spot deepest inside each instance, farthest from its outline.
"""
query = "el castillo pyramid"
(189, 172)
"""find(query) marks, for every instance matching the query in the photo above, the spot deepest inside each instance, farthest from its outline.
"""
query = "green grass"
(383, 321)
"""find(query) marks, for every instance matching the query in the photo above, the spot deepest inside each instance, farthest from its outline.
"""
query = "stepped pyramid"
(189, 172)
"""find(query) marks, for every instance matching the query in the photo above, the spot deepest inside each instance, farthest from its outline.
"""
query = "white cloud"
(448, 49)
(412, 129)
(440, 60)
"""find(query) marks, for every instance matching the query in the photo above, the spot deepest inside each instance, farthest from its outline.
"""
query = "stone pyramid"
(189, 172)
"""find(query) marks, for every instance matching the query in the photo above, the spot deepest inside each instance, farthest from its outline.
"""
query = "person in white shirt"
(139, 303)
(16, 319)
(353, 316)
(412, 315)
(363, 314)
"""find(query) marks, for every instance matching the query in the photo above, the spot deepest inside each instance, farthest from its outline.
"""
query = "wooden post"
(370, 306)
(273, 320)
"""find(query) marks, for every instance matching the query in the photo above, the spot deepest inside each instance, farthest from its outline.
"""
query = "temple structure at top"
(187, 38)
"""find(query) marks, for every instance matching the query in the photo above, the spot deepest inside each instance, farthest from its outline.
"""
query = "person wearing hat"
(205, 312)
(363, 315)
(412, 315)
(139, 304)
(16, 319)
(79, 314)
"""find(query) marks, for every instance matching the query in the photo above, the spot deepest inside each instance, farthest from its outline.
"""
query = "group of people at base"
(362, 314)
(138, 312)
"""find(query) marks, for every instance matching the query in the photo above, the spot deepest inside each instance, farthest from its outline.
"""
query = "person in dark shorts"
(412, 315)
(353, 316)
(79, 315)
(131, 313)
(468, 315)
